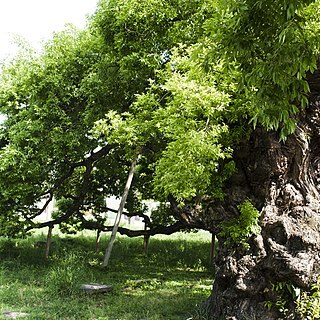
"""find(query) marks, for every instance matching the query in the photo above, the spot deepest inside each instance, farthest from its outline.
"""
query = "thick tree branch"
(50, 223)
(187, 215)
(167, 230)
(94, 156)
(78, 200)
(129, 214)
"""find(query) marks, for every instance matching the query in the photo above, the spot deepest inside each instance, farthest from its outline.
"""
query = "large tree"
(219, 100)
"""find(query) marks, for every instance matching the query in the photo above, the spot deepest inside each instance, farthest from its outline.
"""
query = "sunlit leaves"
(187, 165)
(117, 129)
(275, 43)
(239, 230)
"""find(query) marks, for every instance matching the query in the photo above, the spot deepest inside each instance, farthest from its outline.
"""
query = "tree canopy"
(178, 82)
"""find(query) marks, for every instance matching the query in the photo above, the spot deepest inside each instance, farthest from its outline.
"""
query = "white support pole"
(120, 210)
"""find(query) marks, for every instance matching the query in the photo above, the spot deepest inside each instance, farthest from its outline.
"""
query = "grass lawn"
(171, 282)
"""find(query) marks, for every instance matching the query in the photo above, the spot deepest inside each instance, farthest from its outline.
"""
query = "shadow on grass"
(169, 283)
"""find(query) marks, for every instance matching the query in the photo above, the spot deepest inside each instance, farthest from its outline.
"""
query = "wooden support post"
(98, 240)
(213, 248)
(49, 240)
(120, 210)
(145, 240)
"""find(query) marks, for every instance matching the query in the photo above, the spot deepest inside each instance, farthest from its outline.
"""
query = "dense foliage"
(178, 82)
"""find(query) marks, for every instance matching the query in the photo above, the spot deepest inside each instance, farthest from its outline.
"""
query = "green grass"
(170, 283)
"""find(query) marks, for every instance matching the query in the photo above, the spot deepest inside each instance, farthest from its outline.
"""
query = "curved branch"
(188, 215)
(79, 200)
(167, 230)
(50, 223)
(94, 156)
(130, 214)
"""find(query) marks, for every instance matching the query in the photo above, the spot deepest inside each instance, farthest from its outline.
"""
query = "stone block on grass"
(96, 288)
(14, 314)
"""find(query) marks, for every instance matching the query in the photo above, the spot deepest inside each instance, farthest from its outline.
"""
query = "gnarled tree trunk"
(283, 181)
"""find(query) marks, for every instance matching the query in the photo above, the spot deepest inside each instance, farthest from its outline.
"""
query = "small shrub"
(308, 305)
(238, 231)
(284, 295)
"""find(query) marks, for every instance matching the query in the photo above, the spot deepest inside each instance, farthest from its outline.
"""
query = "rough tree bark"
(283, 181)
